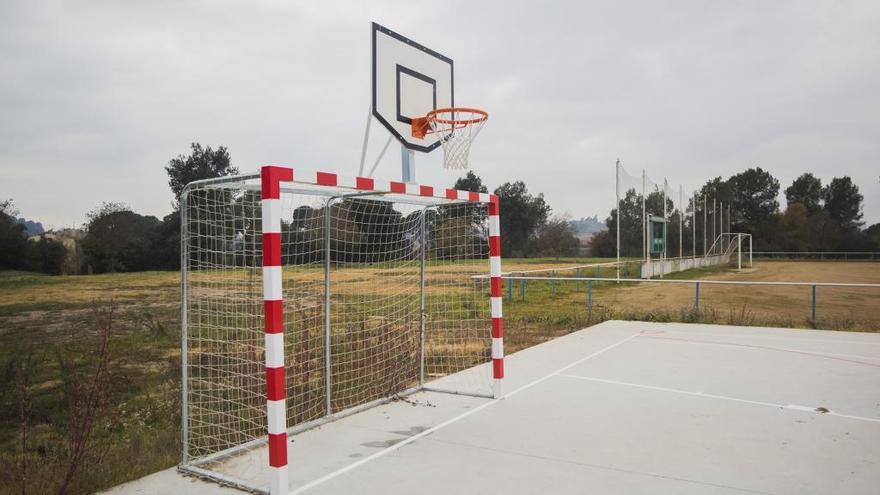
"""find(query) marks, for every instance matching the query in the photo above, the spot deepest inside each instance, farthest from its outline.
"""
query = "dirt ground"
(836, 307)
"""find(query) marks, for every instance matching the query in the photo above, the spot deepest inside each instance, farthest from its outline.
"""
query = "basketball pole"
(366, 138)
(407, 165)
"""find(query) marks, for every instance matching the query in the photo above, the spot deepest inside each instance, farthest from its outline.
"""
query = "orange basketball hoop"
(456, 128)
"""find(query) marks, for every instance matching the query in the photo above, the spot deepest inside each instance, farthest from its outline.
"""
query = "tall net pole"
(694, 225)
(721, 226)
(705, 221)
(644, 221)
(680, 221)
(665, 253)
(617, 192)
(714, 223)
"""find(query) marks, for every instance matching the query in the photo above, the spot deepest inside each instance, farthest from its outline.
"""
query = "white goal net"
(383, 294)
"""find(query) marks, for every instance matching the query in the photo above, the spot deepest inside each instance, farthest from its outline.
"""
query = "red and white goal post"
(310, 296)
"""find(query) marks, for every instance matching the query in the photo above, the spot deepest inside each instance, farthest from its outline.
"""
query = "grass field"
(50, 323)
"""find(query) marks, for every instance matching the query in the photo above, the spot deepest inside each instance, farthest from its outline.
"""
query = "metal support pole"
(553, 283)
(750, 250)
(714, 223)
(617, 192)
(510, 290)
(644, 222)
(328, 370)
(680, 223)
(813, 306)
(590, 297)
(705, 223)
(664, 254)
(697, 300)
(522, 290)
(739, 252)
(184, 319)
(577, 283)
(721, 227)
(422, 302)
(366, 138)
(407, 165)
(694, 227)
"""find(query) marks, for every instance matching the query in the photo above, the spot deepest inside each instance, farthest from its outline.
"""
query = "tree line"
(114, 238)
(817, 217)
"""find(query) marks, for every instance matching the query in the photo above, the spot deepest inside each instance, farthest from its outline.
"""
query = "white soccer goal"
(309, 299)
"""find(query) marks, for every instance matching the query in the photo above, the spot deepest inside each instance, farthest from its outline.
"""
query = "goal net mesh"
(391, 292)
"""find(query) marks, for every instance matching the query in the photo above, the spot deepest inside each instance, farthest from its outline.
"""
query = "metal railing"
(697, 284)
(819, 255)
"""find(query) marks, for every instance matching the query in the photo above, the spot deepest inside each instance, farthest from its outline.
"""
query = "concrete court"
(621, 407)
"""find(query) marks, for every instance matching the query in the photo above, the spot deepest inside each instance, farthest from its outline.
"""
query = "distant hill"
(33, 228)
(586, 227)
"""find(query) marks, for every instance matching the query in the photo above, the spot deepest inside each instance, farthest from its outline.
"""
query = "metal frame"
(317, 184)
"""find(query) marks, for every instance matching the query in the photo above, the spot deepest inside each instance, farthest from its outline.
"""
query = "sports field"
(49, 322)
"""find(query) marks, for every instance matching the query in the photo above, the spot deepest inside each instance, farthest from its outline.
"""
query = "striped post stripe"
(495, 294)
(273, 326)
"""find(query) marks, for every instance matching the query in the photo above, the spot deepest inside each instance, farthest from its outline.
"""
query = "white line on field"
(792, 407)
(450, 421)
(659, 338)
(805, 338)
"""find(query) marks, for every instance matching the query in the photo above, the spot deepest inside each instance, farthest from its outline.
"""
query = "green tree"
(165, 243)
(202, 163)
(754, 198)
(521, 216)
(843, 202)
(557, 238)
(50, 256)
(806, 190)
(631, 229)
(470, 182)
(718, 189)
(15, 249)
(118, 239)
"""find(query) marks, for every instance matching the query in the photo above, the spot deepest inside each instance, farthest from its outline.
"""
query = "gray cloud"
(98, 96)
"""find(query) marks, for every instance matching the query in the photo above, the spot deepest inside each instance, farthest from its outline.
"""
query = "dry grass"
(41, 316)
(836, 308)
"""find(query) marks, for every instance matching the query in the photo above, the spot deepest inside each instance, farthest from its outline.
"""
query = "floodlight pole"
(617, 193)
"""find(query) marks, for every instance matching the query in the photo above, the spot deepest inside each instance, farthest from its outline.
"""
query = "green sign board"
(657, 231)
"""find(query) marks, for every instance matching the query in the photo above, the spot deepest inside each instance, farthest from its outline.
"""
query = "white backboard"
(409, 80)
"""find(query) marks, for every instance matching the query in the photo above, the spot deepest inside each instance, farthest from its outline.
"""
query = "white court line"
(802, 339)
(792, 407)
(676, 340)
(448, 422)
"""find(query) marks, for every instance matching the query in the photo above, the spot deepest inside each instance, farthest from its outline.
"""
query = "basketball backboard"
(409, 80)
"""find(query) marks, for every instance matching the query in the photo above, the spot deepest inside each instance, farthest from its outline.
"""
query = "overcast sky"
(96, 97)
